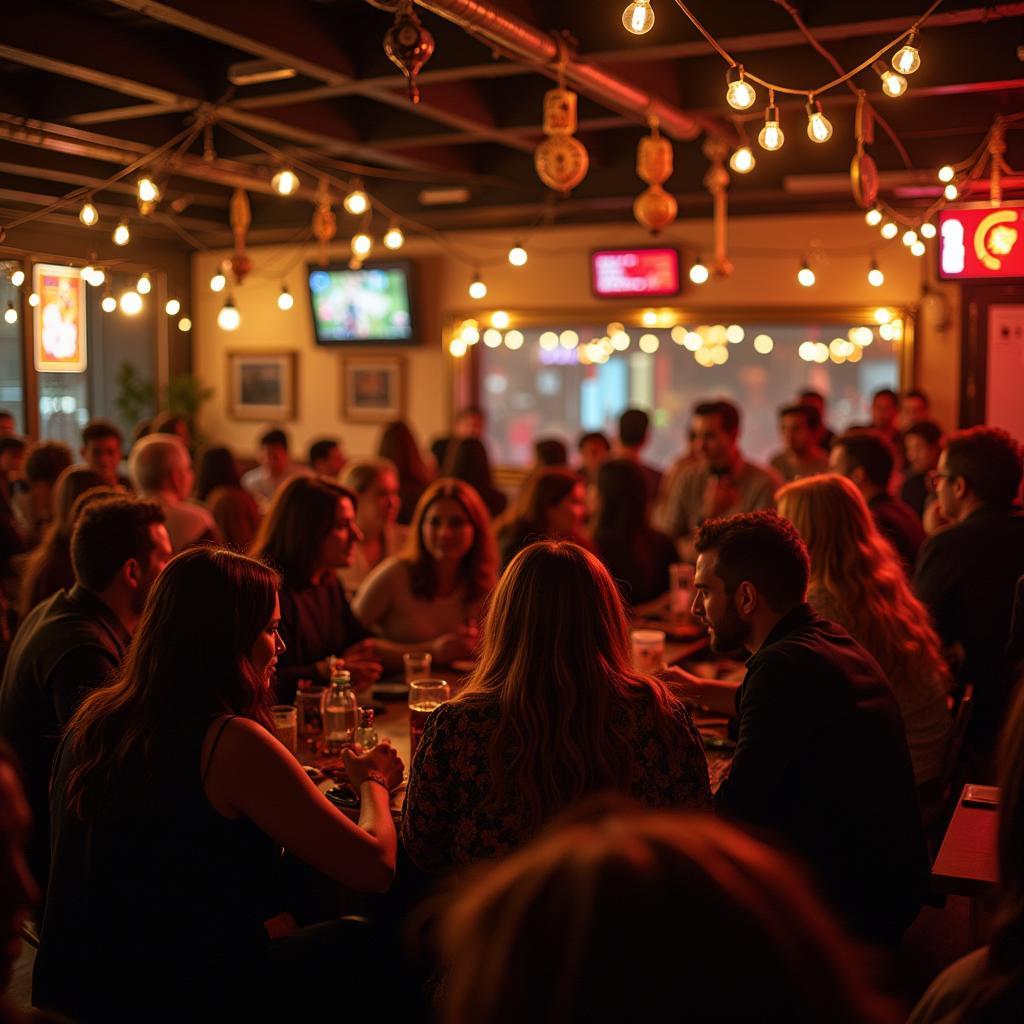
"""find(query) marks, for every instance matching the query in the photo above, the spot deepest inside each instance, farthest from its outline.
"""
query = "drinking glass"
(424, 696)
(417, 665)
(286, 723)
(648, 650)
(309, 702)
(680, 590)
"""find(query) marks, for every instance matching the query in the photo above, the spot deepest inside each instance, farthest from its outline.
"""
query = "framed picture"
(59, 338)
(261, 385)
(371, 389)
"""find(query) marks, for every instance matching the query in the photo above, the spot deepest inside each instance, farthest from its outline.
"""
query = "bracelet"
(379, 778)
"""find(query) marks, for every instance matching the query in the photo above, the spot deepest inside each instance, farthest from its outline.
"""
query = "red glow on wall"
(635, 273)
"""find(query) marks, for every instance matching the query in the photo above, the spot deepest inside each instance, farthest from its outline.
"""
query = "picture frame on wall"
(59, 325)
(372, 389)
(262, 385)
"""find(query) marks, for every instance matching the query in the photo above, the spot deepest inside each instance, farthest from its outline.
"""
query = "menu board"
(635, 273)
(982, 244)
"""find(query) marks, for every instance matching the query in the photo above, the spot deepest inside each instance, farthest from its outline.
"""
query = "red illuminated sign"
(635, 273)
(981, 244)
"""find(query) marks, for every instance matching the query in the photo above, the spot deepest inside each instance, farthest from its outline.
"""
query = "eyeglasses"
(934, 476)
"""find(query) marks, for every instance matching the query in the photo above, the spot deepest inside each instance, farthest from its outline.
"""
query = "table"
(968, 861)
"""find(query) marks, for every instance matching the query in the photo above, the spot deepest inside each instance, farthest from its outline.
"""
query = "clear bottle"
(341, 710)
(366, 734)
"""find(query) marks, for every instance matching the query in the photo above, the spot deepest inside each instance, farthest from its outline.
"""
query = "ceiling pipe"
(531, 45)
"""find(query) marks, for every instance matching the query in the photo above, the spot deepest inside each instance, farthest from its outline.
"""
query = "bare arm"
(717, 695)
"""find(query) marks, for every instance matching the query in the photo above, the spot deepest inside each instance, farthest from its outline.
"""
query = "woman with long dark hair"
(552, 712)
(171, 800)
(467, 460)
(308, 536)
(551, 505)
(219, 488)
(430, 595)
(398, 446)
(637, 556)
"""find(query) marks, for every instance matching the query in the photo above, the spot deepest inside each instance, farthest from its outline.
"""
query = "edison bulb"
(362, 243)
(740, 95)
(946, 173)
(873, 217)
(285, 299)
(144, 285)
(928, 229)
(229, 319)
(148, 190)
(699, 273)
(394, 238)
(951, 191)
(131, 303)
(173, 307)
(477, 289)
(184, 325)
(11, 314)
(356, 202)
(771, 136)
(108, 304)
(88, 214)
(806, 276)
(518, 256)
(819, 127)
(638, 17)
(918, 248)
(889, 230)
(122, 235)
(33, 299)
(18, 278)
(875, 277)
(218, 282)
(893, 84)
(909, 237)
(285, 181)
(906, 60)
(742, 160)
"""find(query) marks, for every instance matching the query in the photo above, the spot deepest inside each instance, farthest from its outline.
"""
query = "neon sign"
(981, 244)
(635, 273)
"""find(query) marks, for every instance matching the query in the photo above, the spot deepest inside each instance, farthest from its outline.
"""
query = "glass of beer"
(417, 665)
(424, 696)
(286, 723)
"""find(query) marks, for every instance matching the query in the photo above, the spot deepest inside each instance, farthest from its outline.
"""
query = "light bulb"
(218, 282)
(477, 288)
(285, 181)
(18, 278)
(946, 173)
(148, 190)
(873, 217)
(771, 136)
(173, 307)
(184, 325)
(906, 60)
(909, 237)
(739, 94)
(951, 191)
(33, 299)
(699, 273)
(500, 319)
(918, 248)
(514, 340)
(96, 277)
(362, 243)
(356, 202)
(458, 347)
(285, 299)
(928, 229)
(144, 285)
(518, 256)
(875, 277)
(122, 236)
(86, 272)
(763, 344)
(108, 304)
(638, 17)
(893, 84)
(11, 314)
(889, 230)
(228, 319)
(131, 303)
(819, 127)
(88, 214)
(394, 237)
(742, 160)
(883, 315)
(649, 343)
(805, 275)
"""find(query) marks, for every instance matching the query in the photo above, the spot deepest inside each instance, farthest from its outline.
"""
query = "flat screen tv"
(369, 306)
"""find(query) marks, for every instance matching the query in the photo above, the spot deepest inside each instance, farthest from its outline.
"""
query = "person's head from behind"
(217, 468)
(751, 570)
(594, 448)
(467, 460)
(19, 893)
(549, 451)
(615, 916)
(205, 645)
(326, 458)
(119, 546)
(12, 455)
(399, 446)
(375, 484)
(866, 458)
(885, 407)
(621, 501)
(914, 407)
(274, 451)
(309, 530)
(7, 425)
(716, 429)
(978, 467)
(161, 464)
(101, 449)
(172, 423)
(71, 485)
(469, 422)
(552, 502)
(45, 462)
(634, 425)
(799, 426)
(923, 444)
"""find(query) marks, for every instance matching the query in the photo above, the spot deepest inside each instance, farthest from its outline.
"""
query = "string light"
(285, 299)
(228, 319)
(173, 307)
(875, 276)
(951, 192)
(477, 288)
(739, 93)
(285, 181)
(11, 314)
(819, 127)
(362, 244)
(805, 275)
(131, 303)
(108, 303)
(638, 17)
(18, 278)
(649, 343)
(33, 299)
(88, 214)
(928, 230)
(742, 160)
(946, 173)
(517, 255)
(184, 325)
(889, 230)
(500, 319)
(873, 217)
(771, 136)
(147, 189)
(918, 248)
(144, 285)
(698, 272)
(458, 347)
(893, 84)
(357, 201)
(514, 340)
(909, 237)
(218, 282)
(492, 338)
(763, 344)
(122, 235)
(906, 60)
(394, 237)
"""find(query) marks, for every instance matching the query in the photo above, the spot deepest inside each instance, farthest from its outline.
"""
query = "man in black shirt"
(821, 761)
(967, 573)
(74, 641)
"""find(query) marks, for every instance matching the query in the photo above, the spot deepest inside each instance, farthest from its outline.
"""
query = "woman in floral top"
(552, 712)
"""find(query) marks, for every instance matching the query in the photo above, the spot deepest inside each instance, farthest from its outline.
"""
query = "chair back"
(961, 720)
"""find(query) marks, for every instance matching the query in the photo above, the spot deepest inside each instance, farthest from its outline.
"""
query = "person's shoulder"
(254, 476)
(761, 474)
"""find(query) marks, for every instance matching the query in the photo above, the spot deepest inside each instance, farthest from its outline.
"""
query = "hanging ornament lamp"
(241, 218)
(325, 224)
(561, 160)
(408, 45)
(655, 208)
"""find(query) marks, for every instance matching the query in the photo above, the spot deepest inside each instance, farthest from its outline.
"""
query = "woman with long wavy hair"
(552, 712)
(857, 580)
(171, 801)
(430, 595)
(219, 488)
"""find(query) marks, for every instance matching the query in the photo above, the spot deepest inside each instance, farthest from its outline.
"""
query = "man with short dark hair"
(276, 468)
(74, 641)
(801, 456)
(634, 431)
(33, 500)
(885, 410)
(821, 760)
(594, 449)
(825, 435)
(915, 407)
(722, 483)
(326, 459)
(923, 445)
(550, 451)
(866, 458)
(102, 449)
(967, 572)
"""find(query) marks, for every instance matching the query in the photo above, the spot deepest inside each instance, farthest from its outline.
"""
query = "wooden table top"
(968, 862)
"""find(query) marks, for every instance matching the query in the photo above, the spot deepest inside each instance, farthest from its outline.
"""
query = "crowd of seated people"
(156, 617)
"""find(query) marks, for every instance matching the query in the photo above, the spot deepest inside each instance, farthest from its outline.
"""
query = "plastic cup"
(424, 696)
(648, 650)
(286, 723)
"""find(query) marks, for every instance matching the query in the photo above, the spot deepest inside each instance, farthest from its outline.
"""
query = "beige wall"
(556, 278)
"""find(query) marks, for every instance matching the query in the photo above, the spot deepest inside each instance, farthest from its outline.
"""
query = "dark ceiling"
(88, 86)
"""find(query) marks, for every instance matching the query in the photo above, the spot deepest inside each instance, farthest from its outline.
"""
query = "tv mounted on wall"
(369, 306)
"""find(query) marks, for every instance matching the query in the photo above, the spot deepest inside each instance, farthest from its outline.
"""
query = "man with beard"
(821, 762)
(72, 642)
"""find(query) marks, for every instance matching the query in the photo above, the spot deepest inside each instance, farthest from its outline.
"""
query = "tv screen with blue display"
(365, 306)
